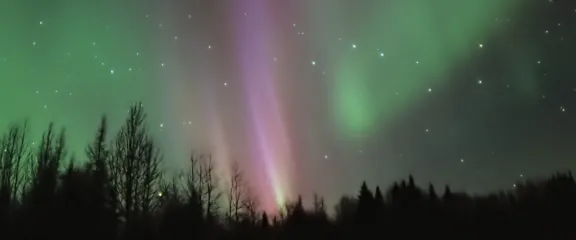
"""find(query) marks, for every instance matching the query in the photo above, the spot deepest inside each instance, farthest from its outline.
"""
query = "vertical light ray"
(219, 146)
(271, 146)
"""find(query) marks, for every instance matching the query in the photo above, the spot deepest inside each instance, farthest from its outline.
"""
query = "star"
(175, 37)
(538, 62)
(417, 62)
(521, 175)
(429, 89)
(546, 31)
(480, 82)
(37, 92)
(189, 16)
(137, 54)
(514, 185)
(33, 43)
(130, 69)
(381, 54)
(225, 84)
(209, 47)
(461, 160)
(325, 156)
(427, 130)
(313, 63)
(112, 71)
(481, 45)
(162, 64)
(353, 45)
(161, 125)
(93, 43)
(41, 23)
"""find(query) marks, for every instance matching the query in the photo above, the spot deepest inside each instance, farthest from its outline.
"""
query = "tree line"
(120, 192)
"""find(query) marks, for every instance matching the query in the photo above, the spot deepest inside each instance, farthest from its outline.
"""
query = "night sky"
(308, 95)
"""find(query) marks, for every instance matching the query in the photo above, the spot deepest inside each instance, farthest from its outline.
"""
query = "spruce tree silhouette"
(432, 197)
(366, 205)
(265, 224)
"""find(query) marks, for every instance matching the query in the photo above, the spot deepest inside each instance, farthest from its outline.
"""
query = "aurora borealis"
(309, 96)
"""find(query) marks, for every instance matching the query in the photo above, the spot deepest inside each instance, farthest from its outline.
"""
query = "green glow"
(61, 54)
(422, 41)
(354, 94)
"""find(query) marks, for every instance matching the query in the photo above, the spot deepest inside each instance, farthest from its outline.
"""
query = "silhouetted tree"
(265, 224)
(366, 206)
(235, 194)
(134, 169)
(210, 193)
(101, 191)
(346, 209)
(13, 152)
(249, 203)
(41, 198)
(379, 199)
(296, 216)
(432, 194)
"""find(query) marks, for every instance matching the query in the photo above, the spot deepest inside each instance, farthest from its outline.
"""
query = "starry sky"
(309, 96)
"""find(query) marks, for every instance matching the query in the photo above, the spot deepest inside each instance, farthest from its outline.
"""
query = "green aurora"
(59, 59)
(414, 45)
